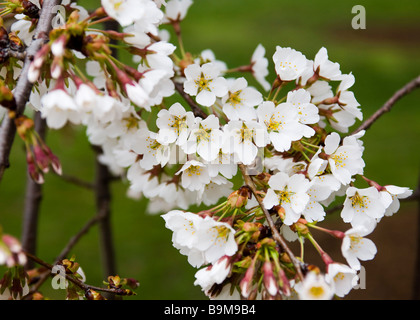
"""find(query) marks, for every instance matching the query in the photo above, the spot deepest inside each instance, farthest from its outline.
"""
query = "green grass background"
(383, 58)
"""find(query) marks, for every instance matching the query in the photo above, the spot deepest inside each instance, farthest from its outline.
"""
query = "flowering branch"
(276, 235)
(24, 86)
(409, 87)
(69, 246)
(85, 287)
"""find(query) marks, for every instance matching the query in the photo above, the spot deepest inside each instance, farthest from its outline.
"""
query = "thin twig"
(389, 104)
(23, 88)
(276, 234)
(77, 181)
(85, 287)
(75, 239)
(64, 253)
(198, 112)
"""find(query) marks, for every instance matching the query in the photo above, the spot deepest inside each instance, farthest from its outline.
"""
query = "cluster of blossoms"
(188, 152)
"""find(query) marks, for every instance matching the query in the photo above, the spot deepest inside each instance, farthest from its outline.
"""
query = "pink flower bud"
(284, 282)
(270, 282)
(33, 170)
(58, 47)
(246, 283)
(41, 159)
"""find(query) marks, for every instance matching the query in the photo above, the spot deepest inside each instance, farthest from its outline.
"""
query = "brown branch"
(33, 198)
(389, 104)
(85, 287)
(103, 201)
(198, 112)
(64, 253)
(77, 181)
(23, 88)
(276, 234)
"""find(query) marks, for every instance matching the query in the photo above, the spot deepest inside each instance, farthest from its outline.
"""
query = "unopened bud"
(33, 170)
(59, 45)
(246, 283)
(300, 228)
(93, 295)
(284, 257)
(280, 211)
(284, 282)
(270, 282)
(114, 282)
(41, 159)
(30, 9)
(239, 198)
(132, 283)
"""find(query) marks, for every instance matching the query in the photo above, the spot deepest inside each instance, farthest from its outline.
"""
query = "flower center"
(359, 202)
(117, 4)
(317, 292)
(339, 159)
(273, 125)
(287, 65)
(131, 123)
(355, 242)
(234, 98)
(285, 195)
(202, 134)
(203, 83)
(245, 133)
(196, 170)
(339, 276)
(153, 144)
(179, 123)
(221, 234)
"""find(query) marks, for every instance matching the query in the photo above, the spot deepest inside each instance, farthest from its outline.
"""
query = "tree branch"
(103, 201)
(198, 112)
(33, 198)
(85, 287)
(77, 182)
(23, 88)
(276, 235)
(64, 253)
(389, 104)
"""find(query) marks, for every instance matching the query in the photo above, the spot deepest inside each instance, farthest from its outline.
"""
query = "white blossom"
(259, 65)
(281, 123)
(205, 83)
(356, 247)
(290, 193)
(314, 287)
(240, 100)
(289, 63)
(343, 277)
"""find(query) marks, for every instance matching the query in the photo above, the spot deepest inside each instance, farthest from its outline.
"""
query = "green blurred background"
(383, 58)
